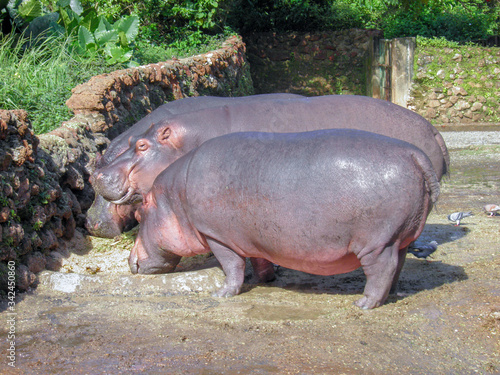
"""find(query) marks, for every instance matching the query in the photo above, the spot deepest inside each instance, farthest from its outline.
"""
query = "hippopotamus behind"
(105, 219)
(323, 202)
(133, 172)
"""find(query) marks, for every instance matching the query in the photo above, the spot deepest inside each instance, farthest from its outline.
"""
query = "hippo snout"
(103, 229)
(152, 265)
(111, 186)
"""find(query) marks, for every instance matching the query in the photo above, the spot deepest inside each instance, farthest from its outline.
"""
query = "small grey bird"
(424, 251)
(491, 209)
(457, 216)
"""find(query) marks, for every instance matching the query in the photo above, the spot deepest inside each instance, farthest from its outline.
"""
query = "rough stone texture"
(310, 64)
(44, 188)
(36, 211)
(457, 85)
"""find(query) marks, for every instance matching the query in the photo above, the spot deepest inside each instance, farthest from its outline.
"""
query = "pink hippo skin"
(323, 202)
(105, 219)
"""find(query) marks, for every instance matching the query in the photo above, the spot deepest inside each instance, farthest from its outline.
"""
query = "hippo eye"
(141, 145)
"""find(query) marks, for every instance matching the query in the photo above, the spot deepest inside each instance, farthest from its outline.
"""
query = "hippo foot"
(226, 291)
(366, 303)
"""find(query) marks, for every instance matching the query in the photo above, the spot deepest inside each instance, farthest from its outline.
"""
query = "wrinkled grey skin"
(132, 173)
(324, 202)
(105, 219)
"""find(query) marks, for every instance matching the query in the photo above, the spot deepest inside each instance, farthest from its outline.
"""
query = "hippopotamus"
(322, 202)
(105, 219)
(132, 173)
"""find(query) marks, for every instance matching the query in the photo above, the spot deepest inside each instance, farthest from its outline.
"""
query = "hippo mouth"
(131, 196)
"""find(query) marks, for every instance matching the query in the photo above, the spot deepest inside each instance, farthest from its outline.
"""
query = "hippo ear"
(167, 135)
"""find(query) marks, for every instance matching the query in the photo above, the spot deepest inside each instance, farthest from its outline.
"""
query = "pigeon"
(457, 216)
(491, 209)
(425, 250)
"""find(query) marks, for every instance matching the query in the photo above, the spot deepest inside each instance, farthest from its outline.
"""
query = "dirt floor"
(93, 317)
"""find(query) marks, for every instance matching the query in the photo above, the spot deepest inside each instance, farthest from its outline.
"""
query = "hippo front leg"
(381, 267)
(233, 266)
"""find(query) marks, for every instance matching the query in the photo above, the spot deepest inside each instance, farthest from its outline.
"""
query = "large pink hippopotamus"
(323, 202)
(105, 219)
(128, 176)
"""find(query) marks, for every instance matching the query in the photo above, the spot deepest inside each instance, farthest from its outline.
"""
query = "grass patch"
(148, 52)
(39, 79)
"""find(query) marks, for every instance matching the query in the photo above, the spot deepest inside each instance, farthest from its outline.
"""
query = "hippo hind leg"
(263, 270)
(401, 261)
(233, 266)
(381, 267)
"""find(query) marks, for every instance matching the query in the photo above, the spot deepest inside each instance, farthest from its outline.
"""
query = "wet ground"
(93, 317)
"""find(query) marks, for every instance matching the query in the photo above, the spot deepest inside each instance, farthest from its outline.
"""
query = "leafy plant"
(95, 35)
(112, 39)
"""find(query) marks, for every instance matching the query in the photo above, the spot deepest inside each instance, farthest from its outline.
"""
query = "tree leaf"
(70, 19)
(89, 20)
(85, 37)
(76, 6)
(103, 37)
(63, 3)
(130, 26)
(30, 9)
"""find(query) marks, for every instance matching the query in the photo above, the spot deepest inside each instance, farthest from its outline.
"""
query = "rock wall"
(457, 85)
(44, 188)
(36, 210)
(310, 64)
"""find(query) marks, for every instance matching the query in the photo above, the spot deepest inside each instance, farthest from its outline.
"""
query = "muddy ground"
(93, 317)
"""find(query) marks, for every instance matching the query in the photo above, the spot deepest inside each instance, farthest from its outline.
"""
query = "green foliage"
(297, 15)
(95, 34)
(113, 40)
(439, 42)
(39, 79)
(456, 23)
(146, 52)
(458, 20)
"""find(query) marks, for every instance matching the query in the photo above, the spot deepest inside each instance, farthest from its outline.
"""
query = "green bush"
(296, 15)
(37, 19)
(453, 23)
(147, 52)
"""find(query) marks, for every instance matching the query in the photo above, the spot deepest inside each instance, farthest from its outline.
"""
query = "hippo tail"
(431, 180)
(446, 156)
